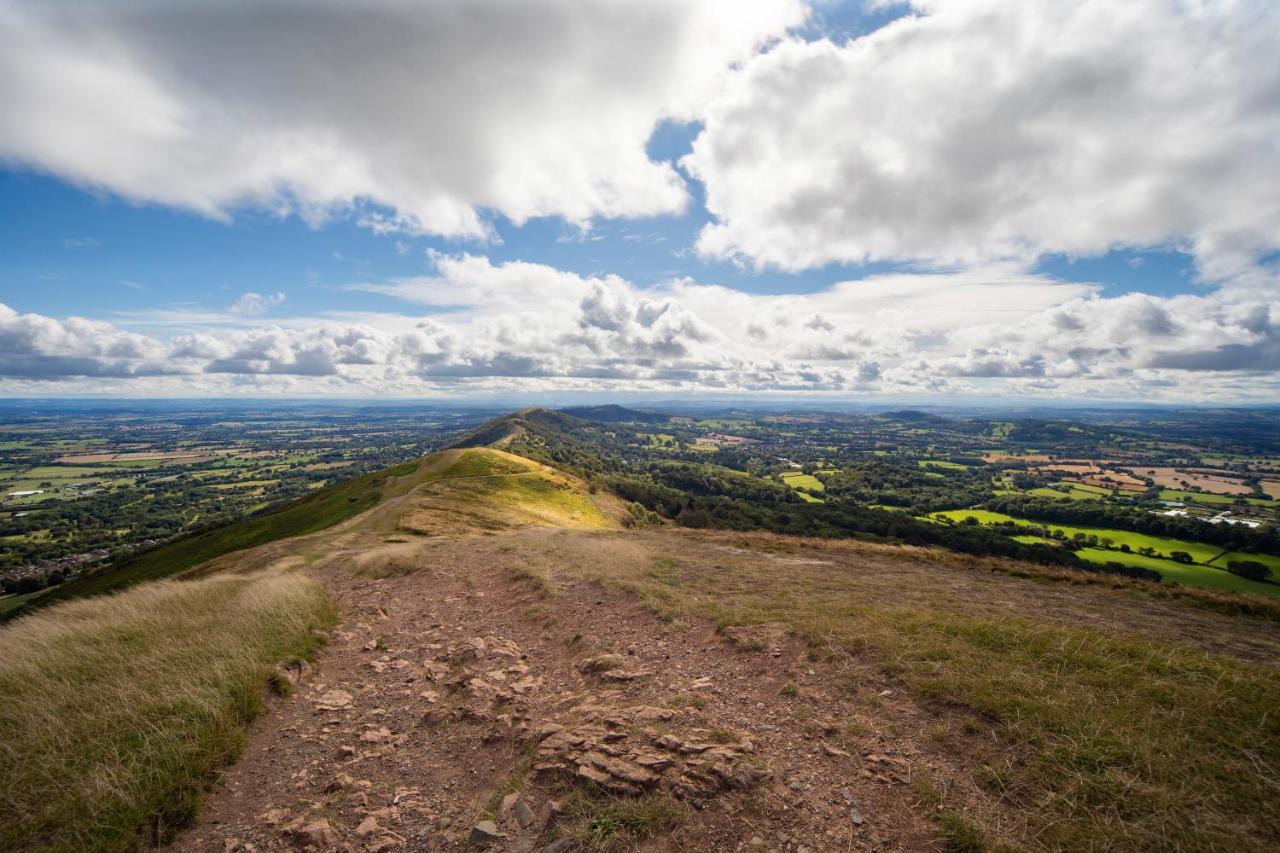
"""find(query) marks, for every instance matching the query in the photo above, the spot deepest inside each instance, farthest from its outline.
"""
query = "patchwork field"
(1180, 478)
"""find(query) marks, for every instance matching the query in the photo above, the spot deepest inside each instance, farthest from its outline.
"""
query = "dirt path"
(455, 684)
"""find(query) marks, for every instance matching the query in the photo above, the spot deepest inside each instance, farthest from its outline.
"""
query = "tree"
(1251, 569)
(1180, 557)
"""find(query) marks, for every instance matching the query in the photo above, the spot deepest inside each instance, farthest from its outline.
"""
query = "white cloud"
(420, 116)
(254, 304)
(976, 130)
(522, 327)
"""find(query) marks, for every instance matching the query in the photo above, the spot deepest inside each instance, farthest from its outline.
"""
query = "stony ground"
(462, 704)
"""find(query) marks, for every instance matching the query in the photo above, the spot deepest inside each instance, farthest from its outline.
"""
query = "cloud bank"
(417, 116)
(520, 327)
(973, 130)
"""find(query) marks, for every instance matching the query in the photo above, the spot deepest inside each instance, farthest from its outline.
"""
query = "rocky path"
(461, 705)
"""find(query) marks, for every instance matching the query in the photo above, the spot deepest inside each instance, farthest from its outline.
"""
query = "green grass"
(1206, 577)
(1199, 551)
(1035, 540)
(314, 512)
(114, 712)
(1074, 493)
(941, 463)
(1224, 560)
(797, 480)
(596, 820)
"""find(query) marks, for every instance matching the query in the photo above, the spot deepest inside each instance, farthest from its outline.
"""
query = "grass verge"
(115, 711)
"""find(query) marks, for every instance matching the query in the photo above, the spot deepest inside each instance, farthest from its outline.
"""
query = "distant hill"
(915, 416)
(613, 413)
(503, 430)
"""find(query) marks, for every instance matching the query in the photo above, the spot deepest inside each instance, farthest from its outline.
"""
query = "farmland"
(1135, 549)
(83, 488)
(86, 484)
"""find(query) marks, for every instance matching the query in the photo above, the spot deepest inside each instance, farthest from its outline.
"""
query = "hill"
(615, 414)
(517, 661)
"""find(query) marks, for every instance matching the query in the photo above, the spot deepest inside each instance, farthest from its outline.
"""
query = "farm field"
(941, 464)
(1205, 577)
(1075, 492)
(1176, 478)
(1224, 560)
(1199, 551)
(802, 481)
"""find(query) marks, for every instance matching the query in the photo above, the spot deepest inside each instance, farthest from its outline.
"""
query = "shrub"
(1251, 569)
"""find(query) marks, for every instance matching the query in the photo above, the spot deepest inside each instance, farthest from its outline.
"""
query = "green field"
(1035, 540)
(1199, 551)
(1211, 575)
(1230, 557)
(796, 480)
(1072, 494)
(1201, 576)
(941, 463)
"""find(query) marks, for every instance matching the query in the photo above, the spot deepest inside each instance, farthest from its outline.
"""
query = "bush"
(1251, 569)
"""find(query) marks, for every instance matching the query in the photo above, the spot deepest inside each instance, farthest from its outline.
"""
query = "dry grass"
(115, 710)
(1109, 739)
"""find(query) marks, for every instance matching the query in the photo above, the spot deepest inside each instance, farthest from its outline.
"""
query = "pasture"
(1206, 577)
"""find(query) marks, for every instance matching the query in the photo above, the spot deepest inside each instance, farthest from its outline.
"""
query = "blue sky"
(71, 250)
(836, 199)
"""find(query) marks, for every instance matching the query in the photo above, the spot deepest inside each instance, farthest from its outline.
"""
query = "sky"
(940, 200)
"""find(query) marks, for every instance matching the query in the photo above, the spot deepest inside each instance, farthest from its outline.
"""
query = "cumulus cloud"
(975, 130)
(523, 327)
(417, 116)
(254, 304)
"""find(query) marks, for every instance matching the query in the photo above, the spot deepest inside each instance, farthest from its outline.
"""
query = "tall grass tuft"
(114, 711)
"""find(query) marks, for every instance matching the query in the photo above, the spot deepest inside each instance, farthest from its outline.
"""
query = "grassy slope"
(1104, 740)
(314, 512)
(114, 711)
(491, 489)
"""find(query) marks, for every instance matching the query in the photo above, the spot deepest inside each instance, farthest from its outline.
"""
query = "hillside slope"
(514, 668)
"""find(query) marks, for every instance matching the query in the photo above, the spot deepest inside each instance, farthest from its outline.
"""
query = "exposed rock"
(294, 671)
(334, 700)
(549, 813)
(515, 810)
(368, 827)
(622, 675)
(599, 663)
(341, 782)
(484, 832)
(436, 716)
(317, 835)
